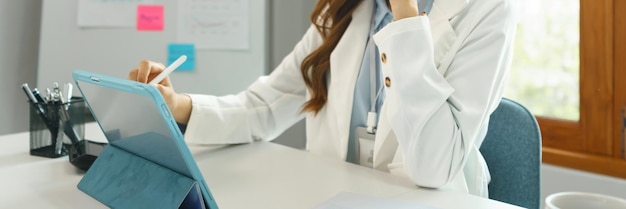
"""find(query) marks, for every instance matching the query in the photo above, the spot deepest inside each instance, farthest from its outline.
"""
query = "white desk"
(257, 175)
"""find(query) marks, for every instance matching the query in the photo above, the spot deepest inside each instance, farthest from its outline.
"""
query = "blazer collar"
(345, 62)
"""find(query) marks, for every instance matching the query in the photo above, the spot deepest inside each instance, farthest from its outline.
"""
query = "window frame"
(595, 142)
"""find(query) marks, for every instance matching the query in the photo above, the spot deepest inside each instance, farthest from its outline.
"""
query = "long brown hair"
(331, 18)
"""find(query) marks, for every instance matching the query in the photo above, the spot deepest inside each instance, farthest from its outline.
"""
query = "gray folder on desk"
(147, 163)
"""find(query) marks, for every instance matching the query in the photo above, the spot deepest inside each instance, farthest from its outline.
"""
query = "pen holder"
(51, 141)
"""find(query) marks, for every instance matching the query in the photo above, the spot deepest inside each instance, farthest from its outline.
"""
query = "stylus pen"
(169, 69)
(41, 99)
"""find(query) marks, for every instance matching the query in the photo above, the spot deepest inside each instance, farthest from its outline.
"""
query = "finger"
(157, 68)
(161, 67)
(165, 81)
(143, 71)
(132, 75)
(148, 70)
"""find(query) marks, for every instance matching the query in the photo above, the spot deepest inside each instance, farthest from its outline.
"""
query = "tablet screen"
(131, 120)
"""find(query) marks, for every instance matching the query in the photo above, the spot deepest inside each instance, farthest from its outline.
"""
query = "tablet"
(135, 118)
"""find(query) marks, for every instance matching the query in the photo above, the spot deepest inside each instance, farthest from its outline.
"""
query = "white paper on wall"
(214, 24)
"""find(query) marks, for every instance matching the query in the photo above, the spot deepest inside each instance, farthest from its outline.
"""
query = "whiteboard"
(64, 47)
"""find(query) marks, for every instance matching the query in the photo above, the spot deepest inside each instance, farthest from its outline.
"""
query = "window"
(573, 53)
(544, 74)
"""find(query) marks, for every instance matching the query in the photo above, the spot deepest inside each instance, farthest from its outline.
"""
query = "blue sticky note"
(176, 50)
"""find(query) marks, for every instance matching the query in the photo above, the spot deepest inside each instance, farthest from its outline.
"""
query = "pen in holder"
(49, 131)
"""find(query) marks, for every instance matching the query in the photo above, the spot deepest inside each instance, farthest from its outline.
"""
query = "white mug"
(583, 200)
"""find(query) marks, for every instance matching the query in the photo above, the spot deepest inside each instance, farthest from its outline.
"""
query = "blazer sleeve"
(436, 117)
(265, 109)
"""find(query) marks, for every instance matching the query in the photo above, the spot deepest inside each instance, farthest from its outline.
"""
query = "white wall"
(19, 49)
(559, 179)
(19, 41)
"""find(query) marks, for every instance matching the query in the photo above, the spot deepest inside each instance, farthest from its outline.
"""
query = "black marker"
(33, 100)
(40, 98)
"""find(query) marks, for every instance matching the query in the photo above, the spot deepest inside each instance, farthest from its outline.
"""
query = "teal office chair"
(512, 150)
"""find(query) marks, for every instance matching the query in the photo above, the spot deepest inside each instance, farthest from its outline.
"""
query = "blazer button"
(387, 82)
(383, 57)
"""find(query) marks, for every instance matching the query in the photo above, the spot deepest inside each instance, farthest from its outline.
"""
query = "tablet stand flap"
(120, 179)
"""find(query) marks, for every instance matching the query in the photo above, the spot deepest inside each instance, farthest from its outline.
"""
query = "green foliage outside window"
(545, 71)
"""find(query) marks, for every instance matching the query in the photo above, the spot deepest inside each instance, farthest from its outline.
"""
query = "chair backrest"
(512, 150)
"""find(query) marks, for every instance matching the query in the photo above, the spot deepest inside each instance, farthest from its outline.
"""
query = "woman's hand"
(179, 104)
(403, 8)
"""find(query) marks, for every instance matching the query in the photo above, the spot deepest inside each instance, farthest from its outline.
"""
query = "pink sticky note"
(150, 17)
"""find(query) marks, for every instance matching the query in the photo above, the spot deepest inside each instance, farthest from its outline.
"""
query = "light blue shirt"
(361, 104)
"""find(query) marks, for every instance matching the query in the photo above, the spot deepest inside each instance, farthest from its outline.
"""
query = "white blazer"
(446, 73)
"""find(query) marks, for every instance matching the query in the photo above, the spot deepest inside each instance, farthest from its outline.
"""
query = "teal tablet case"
(147, 163)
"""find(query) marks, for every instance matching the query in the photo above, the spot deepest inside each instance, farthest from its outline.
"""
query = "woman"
(431, 71)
